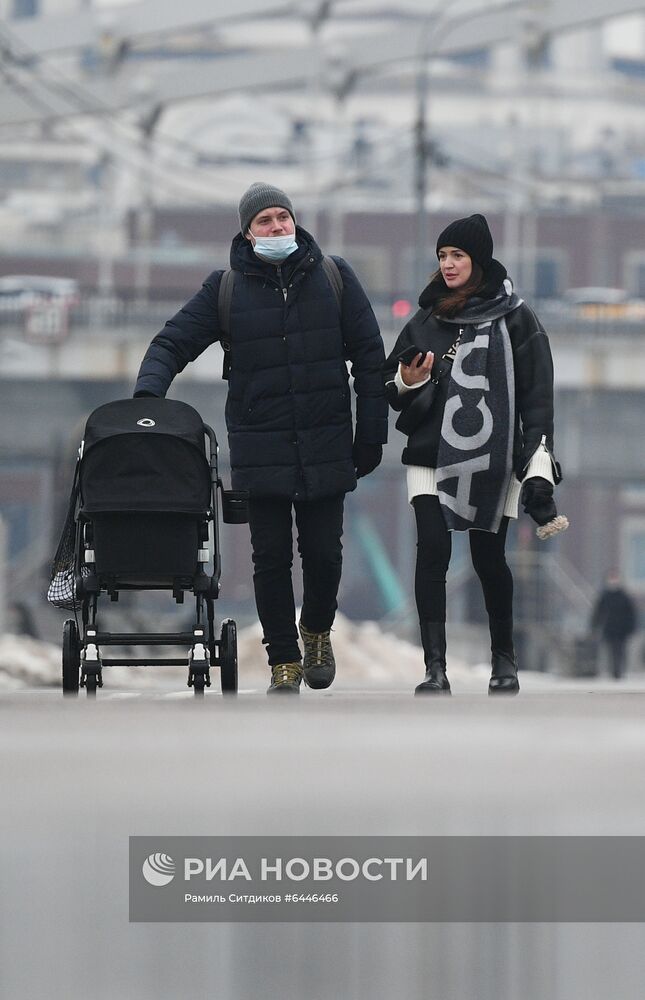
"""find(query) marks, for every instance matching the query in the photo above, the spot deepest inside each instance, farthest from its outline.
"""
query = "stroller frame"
(83, 659)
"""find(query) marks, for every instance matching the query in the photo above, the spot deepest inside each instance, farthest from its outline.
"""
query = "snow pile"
(366, 657)
(26, 662)
(364, 653)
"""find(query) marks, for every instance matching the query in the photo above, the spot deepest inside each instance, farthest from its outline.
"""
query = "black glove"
(366, 457)
(537, 498)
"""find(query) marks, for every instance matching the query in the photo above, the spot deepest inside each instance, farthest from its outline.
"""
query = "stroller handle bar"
(216, 484)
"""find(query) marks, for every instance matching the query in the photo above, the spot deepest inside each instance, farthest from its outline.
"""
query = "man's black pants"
(320, 527)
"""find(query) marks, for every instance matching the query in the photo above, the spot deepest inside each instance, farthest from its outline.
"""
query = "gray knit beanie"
(261, 196)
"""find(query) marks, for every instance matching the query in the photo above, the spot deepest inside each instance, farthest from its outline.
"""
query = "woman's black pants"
(320, 527)
(434, 545)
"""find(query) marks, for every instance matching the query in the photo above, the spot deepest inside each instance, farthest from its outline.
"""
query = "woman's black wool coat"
(288, 411)
(533, 376)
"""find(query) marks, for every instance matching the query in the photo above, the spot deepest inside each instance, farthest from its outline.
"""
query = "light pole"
(421, 160)
(144, 214)
(341, 80)
(428, 36)
(315, 13)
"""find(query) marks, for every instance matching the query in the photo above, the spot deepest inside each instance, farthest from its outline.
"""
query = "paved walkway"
(79, 777)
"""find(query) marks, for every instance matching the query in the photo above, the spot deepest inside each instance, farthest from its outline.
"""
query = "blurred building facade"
(137, 204)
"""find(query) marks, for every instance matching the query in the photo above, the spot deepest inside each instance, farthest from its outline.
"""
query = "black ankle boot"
(433, 637)
(503, 679)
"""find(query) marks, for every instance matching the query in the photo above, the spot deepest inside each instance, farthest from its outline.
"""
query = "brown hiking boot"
(285, 678)
(319, 665)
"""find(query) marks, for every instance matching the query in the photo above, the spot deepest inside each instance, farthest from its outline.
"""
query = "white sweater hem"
(422, 481)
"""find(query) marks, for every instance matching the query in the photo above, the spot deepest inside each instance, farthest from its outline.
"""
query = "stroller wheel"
(199, 684)
(71, 657)
(228, 657)
(90, 685)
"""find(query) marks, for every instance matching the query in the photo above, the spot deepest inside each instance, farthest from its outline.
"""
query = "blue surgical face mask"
(275, 248)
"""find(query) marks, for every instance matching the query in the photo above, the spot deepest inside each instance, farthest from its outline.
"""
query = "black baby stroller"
(144, 516)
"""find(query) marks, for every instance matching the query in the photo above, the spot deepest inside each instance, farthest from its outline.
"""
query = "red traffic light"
(401, 308)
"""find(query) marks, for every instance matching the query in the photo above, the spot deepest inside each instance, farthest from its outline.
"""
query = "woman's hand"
(415, 373)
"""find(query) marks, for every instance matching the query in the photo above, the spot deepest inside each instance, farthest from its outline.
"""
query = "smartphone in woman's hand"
(407, 356)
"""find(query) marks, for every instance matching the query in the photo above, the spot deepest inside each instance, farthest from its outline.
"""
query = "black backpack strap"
(224, 298)
(335, 279)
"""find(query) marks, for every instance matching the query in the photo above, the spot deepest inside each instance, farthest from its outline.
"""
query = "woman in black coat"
(472, 376)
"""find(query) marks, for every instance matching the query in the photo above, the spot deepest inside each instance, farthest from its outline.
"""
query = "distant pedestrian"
(614, 620)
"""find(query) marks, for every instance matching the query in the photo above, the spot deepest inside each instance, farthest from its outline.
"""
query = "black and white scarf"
(475, 457)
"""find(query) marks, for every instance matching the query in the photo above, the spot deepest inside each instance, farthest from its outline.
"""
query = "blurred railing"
(102, 315)
(561, 318)
(94, 315)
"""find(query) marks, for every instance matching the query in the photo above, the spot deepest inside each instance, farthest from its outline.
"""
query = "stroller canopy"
(145, 454)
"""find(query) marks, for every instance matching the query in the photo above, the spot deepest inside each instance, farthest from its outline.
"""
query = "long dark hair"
(450, 303)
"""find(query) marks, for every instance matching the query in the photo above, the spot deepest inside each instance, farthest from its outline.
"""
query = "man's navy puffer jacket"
(288, 411)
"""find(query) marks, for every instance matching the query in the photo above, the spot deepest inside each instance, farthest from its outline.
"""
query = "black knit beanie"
(472, 235)
(258, 197)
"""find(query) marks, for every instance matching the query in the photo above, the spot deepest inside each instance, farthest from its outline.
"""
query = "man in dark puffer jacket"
(288, 415)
